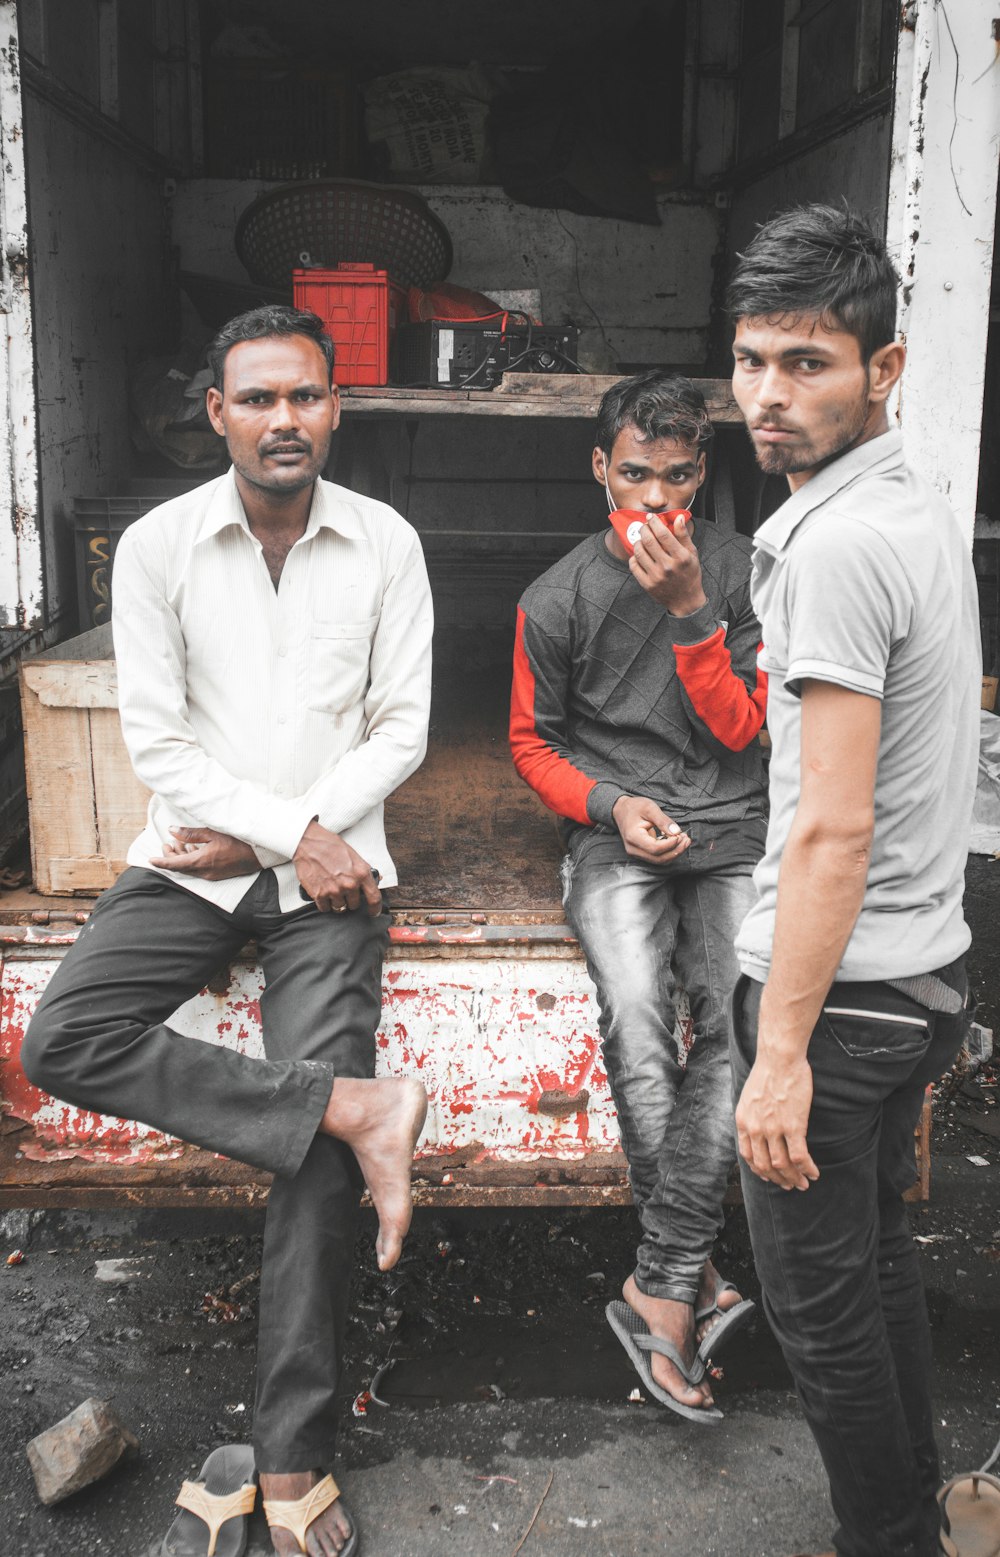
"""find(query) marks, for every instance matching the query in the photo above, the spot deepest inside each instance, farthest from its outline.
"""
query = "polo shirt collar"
(328, 511)
(879, 454)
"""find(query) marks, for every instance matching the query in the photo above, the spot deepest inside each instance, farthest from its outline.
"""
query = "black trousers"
(837, 1262)
(98, 1040)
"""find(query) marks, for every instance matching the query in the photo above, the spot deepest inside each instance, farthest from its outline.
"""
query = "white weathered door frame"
(942, 205)
(21, 565)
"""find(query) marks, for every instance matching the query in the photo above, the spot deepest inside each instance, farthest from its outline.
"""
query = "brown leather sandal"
(297, 1514)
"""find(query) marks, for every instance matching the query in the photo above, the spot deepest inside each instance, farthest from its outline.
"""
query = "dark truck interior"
(607, 162)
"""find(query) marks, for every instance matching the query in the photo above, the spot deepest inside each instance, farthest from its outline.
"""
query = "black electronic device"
(474, 354)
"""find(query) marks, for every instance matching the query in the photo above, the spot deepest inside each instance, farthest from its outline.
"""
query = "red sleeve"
(537, 730)
(721, 700)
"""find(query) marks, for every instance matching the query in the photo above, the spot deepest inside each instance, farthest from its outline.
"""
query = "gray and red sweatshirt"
(614, 696)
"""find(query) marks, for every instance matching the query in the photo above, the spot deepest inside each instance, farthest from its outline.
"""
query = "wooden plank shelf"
(520, 394)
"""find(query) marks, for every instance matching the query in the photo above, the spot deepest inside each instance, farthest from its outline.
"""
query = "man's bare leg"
(380, 1121)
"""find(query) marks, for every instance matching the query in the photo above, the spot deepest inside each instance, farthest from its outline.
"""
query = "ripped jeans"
(645, 930)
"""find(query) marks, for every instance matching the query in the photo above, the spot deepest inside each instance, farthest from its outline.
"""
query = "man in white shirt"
(272, 634)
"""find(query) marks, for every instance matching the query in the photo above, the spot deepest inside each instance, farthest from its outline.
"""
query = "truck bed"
(465, 832)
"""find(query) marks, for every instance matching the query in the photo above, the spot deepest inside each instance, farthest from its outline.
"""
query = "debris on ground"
(237, 1289)
(373, 1395)
(977, 1102)
(531, 1521)
(79, 1450)
(220, 1308)
(117, 1272)
(16, 1258)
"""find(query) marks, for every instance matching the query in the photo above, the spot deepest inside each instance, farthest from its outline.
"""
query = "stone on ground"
(79, 1450)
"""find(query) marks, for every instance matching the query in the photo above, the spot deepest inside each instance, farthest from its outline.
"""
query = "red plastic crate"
(361, 308)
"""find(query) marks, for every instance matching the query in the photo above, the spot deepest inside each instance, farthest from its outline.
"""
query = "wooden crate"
(85, 804)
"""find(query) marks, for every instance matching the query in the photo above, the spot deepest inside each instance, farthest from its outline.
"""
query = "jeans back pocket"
(876, 1035)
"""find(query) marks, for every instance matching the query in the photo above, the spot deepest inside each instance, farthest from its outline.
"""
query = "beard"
(810, 453)
(285, 480)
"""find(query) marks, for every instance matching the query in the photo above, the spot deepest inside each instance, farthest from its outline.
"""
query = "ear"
(213, 405)
(599, 466)
(337, 406)
(702, 464)
(884, 371)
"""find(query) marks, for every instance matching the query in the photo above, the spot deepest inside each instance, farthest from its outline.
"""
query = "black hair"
(260, 324)
(659, 405)
(819, 260)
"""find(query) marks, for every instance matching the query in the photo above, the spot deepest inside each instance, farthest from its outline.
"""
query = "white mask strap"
(607, 489)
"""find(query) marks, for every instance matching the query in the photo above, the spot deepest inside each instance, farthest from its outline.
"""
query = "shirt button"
(282, 719)
(282, 649)
(279, 789)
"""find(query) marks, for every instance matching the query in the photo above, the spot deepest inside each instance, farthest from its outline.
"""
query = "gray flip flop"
(635, 1336)
(215, 1507)
(733, 1319)
(721, 1286)
(729, 1322)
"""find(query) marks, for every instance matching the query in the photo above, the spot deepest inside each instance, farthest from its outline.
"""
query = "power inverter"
(455, 353)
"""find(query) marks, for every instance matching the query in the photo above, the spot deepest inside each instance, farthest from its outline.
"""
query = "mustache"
(285, 446)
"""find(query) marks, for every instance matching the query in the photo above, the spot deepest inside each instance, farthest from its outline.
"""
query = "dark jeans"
(643, 929)
(838, 1266)
(98, 1040)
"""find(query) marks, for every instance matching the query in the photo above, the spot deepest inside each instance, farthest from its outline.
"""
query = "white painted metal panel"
(21, 583)
(942, 199)
(507, 1047)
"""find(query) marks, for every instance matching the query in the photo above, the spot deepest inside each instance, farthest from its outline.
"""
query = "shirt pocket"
(339, 654)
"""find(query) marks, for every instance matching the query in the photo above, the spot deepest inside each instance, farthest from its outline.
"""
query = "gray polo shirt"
(864, 579)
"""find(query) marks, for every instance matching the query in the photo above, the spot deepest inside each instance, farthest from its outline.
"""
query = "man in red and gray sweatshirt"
(636, 705)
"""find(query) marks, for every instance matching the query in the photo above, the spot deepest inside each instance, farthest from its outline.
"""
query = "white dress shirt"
(252, 709)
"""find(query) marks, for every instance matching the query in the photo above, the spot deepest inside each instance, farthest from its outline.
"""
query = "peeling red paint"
(490, 1039)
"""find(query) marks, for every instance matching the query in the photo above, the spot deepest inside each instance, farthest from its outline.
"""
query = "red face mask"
(628, 523)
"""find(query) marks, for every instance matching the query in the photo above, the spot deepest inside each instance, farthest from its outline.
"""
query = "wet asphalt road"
(505, 1372)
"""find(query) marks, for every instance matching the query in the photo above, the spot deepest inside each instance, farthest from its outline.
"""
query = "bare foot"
(672, 1322)
(326, 1536)
(381, 1122)
(706, 1295)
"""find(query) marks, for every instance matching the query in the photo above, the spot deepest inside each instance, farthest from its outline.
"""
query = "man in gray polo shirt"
(853, 984)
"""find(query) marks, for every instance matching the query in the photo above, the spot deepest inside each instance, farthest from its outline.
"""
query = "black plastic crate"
(99, 523)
